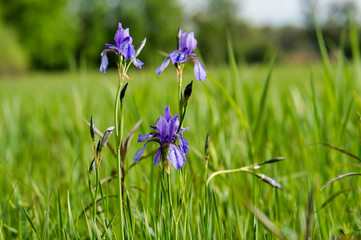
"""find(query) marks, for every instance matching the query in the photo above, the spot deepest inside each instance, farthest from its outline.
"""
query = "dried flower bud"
(188, 91)
(99, 148)
(270, 181)
(206, 145)
(106, 136)
(92, 128)
(122, 93)
(141, 46)
(92, 164)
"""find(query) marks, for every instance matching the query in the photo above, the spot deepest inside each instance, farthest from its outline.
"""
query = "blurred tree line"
(70, 34)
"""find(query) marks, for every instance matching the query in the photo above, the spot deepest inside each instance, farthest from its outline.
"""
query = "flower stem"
(118, 119)
(180, 79)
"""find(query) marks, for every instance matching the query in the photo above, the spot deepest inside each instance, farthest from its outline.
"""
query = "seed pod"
(106, 136)
(92, 128)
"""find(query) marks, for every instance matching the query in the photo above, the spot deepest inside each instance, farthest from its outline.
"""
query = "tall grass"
(252, 113)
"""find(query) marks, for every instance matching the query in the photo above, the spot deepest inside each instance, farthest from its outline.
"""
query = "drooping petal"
(155, 128)
(177, 56)
(183, 143)
(176, 156)
(139, 153)
(173, 125)
(162, 127)
(163, 65)
(191, 43)
(167, 113)
(142, 138)
(111, 46)
(158, 156)
(127, 49)
(199, 70)
(104, 62)
(138, 63)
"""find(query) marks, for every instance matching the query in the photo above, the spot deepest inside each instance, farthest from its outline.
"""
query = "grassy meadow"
(252, 112)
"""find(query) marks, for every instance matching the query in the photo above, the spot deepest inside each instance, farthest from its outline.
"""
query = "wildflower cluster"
(166, 135)
(123, 48)
(186, 45)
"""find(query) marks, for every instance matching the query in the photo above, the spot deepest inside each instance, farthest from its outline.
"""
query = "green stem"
(180, 79)
(118, 137)
(242, 169)
(95, 202)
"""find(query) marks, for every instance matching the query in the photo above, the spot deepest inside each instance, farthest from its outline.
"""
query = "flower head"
(123, 46)
(187, 44)
(166, 135)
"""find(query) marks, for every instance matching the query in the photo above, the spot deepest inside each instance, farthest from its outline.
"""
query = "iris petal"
(158, 156)
(104, 62)
(167, 113)
(111, 46)
(127, 50)
(191, 43)
(139, 153)
(199, 70)
(142, 138)
(182, 130)
(162, 126)
(119, 35)
(183, 143)
(163, 66)
(173, 125)
(176, 156)
(178, 56)
(138, 63)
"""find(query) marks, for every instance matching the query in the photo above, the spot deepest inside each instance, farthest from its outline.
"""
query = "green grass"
(46, 151)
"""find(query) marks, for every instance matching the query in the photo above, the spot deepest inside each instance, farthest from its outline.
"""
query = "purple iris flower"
(187, 44)
(123, 46)
(166, 135)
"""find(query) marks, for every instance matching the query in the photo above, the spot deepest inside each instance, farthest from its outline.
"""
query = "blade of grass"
(233, 67)
(87, 223)
(31, 222)
(46, 223)
(7, 202)
(333, 196)
(71, 222)
(262, 102)
(60, 218)
(338, 149)
(219, 224)
(230, 100)
(339, 178)
(264, 220)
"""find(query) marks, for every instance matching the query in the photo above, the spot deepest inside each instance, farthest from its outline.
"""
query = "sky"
(275, 12)
(282, 12)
